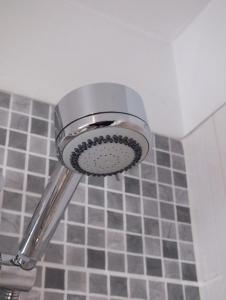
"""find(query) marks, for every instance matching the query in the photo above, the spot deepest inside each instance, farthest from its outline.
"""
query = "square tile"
(52, 149)
(163, 159)
(14, 180)
(132, 185)
(9, 244)
(97, 181)
(165, 193)
(133, 204)
(96, 259)
(96, 197)
(189, 272)
(181, 196)
(192, 293)
(114, 200)
(37, 164)
(187, 252)
(17, 140)
(39, 127)
(162, 142)
(12, 201)
(76, 213)
(10, 223)
(167, 211)
(133, 224)
(54, 278)
(52, 166)
(115, 220)
(75, 256)
(134, 243)
(148, 172)
(154, 267)
(152, 246)
(96, 237)
(2, 136)
(168, 230)
(38, 280)
(40, 109)
(4, 116)
(180, 179)
(175, 291)
(116, 262)
(19, 122)
(178, 162)
(35, 184)
(185, 232)
(79, 195)
(151, 226)
(75, 297)
(31, 203)
(16, 159)
(172, 269)
(113, 183)
(115, 241)
(135, 264)
(157, 290)
(96, 217)
(183, 214)
(2, 155)
(150, 208)
(149, 189)
(4, 100)
(98, 284)
(75, 234)
(176, 146)
(77, 281)
(53, 296)
(54, 253)
(118, 286)
(38, 145)
(164, 175)
(138, 289)
(21, 104)
(170, 249)
(134, 171)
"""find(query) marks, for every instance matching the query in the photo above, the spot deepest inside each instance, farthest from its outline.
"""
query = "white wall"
(200, 56)
(205, 152)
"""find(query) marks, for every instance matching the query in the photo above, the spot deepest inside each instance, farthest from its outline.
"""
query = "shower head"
(101, 129)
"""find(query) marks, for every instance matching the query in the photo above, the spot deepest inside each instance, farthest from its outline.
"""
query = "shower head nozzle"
(101, 129)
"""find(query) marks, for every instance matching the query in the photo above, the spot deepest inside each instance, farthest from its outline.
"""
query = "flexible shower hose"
(9, 294)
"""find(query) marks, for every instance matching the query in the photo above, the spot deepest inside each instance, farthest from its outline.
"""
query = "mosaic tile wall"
(119, 239)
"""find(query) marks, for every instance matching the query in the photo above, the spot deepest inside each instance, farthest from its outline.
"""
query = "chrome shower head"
(101, 129)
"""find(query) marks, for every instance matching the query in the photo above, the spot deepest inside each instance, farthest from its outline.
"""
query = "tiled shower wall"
(126, 238)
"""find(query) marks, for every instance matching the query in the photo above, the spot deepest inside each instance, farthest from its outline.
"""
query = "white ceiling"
(49, 47)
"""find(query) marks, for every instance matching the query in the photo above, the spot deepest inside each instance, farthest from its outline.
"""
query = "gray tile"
(98, 284)
(54, 253)
(183, 214)
(162, 142)
(76, 297)
(39, 127)
(167, 211)
(114, 183)
(175, 291)
(118, 286)
(180, 179)
(76, 213)
(54, 278)
(40, 109)
(164, 175)
(150, 208)
(35, 184)
(12, 201)
(52, 149)
(97, 181)
(154, 267)
(2, 155)
(134, 243)
(96, 197)
(31, 203)
(168, 230)
(133, 224)
(150, 158)
(135, 264)
(4, 115)
(96, 217)
(170, 249)
(59, 233)
(38, 145)
(132, 185)
(165, 193)
(75, 234)
(80, 194)
(21, 104)
(185, 232)
(116, 262)
(163, 159)
(37, 164)
(149, 189)
(17, 140)
(4, 100)
(178, 162)
(96, 259)
(138, 289)
(38, 281)
(151, 226)
(53, 296)
(157, 290)
(77, 281)
(16, 159)
(115, 220)
(148, 172)
(181, 196)
(114, 200)
(187, 252)
(14, 180)
(9, 244)
(133, 204)
(176, 146)
(189, 272)
(19, 122)
(192, 293)
(172, 269)
(10, 223)
(134, 171)
(52, 166)
(152, 246)
(75, 256)
(96, 237)
(115, 240)
(2, 136)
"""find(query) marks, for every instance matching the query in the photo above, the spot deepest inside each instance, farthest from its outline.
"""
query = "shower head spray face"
(101, 129)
